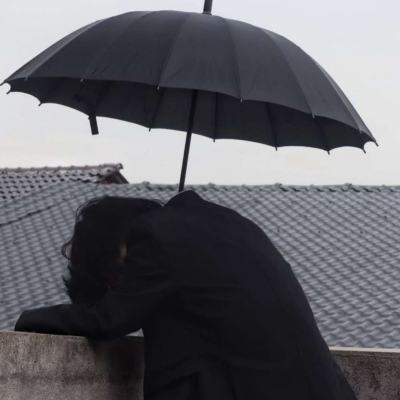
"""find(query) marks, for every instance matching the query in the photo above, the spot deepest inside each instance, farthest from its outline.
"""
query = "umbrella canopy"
(197, 73)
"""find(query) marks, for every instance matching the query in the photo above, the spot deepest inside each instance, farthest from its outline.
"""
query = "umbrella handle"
(207, 6)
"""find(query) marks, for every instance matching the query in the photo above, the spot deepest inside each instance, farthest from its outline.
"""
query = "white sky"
(356, 41)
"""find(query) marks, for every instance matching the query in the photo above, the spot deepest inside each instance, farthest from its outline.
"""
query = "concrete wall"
(50, 367)
(373, 374)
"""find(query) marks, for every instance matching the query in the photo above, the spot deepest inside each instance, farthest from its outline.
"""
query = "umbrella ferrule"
(207, 6)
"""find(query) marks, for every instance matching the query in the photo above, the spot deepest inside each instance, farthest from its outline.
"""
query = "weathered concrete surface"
(50, 367)
(373, 374)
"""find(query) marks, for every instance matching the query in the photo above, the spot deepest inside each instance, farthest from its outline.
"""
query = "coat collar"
(188, 195)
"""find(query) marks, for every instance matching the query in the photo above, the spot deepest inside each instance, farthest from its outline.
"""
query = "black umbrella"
(197, 73)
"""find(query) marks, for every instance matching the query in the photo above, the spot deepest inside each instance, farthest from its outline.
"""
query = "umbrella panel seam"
(177, 34)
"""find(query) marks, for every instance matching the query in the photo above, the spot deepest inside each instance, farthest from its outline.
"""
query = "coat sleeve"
(142, 287)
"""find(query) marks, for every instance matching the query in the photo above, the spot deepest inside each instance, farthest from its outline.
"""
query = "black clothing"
(223, 316)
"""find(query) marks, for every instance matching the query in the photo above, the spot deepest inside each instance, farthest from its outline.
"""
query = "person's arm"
(144, 285)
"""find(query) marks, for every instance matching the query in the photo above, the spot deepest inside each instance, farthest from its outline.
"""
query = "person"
(222, 313)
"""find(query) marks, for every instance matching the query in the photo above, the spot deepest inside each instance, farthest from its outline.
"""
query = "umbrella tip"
(2, 83)
(207, 7)
(377, 145)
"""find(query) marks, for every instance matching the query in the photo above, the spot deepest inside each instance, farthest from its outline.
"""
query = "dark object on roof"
(342, 242)
(18, 182)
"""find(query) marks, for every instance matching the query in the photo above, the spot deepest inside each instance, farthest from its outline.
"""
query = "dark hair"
(100, 227)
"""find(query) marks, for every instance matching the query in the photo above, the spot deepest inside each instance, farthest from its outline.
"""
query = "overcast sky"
(356, 41)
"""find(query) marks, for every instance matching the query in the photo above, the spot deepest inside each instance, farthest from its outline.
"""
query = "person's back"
(223, 316)
(240, 311)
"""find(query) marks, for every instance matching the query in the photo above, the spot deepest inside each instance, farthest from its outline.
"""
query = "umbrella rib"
(53, 88)
(302, 91)
(154, 116)
(101, 55)
(171, 49)
(103, 94)
(334, 86)
(91, 105)
(291, 69)
(64, 45)
(324, 139)
(216, 116)
(272, 128)
(341, 95)
(362, 143)
(238, 83)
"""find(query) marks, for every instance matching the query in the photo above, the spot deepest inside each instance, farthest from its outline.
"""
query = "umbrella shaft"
(188, 139)
(207, 6)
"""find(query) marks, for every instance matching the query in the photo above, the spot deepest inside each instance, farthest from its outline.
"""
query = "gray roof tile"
(342, 242)
(18, 182)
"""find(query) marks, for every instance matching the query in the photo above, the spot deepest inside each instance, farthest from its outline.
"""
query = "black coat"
(223, 316)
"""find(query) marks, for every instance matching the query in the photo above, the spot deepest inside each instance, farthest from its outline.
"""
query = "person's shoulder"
(193, 200)
(185, 197)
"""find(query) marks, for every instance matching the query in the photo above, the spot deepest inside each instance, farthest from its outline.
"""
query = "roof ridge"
(117, 166)
(345, 187)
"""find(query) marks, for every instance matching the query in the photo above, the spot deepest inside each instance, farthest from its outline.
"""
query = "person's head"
(96, 248)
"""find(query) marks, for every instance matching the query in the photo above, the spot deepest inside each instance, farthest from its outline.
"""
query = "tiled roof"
(18, 182)
(342, 242)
